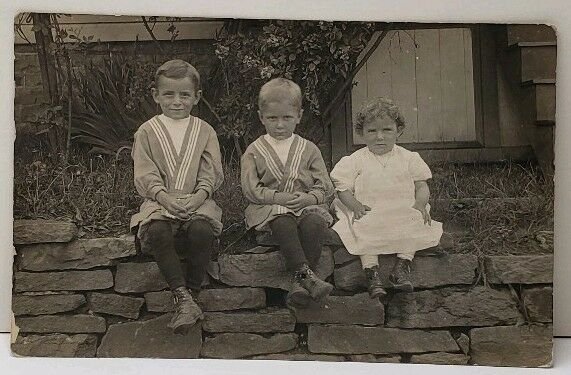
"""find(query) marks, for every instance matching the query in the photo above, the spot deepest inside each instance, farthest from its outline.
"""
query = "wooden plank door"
(429, 74)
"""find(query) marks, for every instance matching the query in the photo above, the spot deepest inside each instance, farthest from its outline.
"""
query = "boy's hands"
(425, 214)
(300, 201)
(294, 201)
(194, 201)
(282, 198)
(172, 205)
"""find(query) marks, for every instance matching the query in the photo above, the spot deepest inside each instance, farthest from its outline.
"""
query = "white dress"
(386, 184)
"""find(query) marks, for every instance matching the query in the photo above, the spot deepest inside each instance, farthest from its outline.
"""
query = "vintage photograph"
(283, 189)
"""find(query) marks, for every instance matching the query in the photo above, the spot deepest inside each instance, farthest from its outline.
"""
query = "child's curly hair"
(378, 108)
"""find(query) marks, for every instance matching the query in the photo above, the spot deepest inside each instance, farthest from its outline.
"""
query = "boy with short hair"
(177, 168)
(284, 177)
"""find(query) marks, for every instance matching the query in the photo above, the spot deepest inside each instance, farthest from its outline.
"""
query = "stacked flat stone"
(99, 297)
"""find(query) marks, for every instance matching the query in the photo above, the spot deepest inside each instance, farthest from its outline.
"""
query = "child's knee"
(201, 229)
(315, 221)
(157, 231)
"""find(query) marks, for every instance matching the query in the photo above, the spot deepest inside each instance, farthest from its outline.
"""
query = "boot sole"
(184, 328)
(403, 287)
(298, 300)
(378, 294)
(323, 293)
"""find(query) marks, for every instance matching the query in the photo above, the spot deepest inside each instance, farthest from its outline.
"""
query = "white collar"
(275, 141)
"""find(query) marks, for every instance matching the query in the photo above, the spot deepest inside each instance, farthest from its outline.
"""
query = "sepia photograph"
(272, 189)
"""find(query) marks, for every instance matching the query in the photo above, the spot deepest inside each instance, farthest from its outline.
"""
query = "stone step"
(536, 60)
(538, 302)
(220, 299)
(453, 307)
(540, 94)
(67, 280)
(46, 304)
(81, 323)
(261, 321)
(427, 272)
(530, 33)
(79, 254)
(56, 345)
(529, 269)
(353, 339)
(40, 231)
(355, 309)
(115, 304)
(150, 338)
(265, 270)
(521, 346)
(240, 345)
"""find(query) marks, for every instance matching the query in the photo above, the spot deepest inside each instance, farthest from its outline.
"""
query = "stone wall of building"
(99, 297)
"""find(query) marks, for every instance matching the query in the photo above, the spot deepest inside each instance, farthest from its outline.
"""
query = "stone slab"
(220, 299)
(464, 343)
(265, 270)
(80, 323)
(224, 299)
(345, 339)
(56, 345)
(440, 358)
(261, 249)
(370, 358)
(139, 278)
(301, 355)
(356, 309)
(79, 254)
(529, 269)
(239, 345)
(538, 302)
(427, 272)
(453, 307)
(523, 346)
(67, 280)
(114, 304)
(39, 231)
(44, 305)
(150, 339)
(262, 321)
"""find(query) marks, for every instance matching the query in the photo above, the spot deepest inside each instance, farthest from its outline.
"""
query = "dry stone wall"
(99, 297)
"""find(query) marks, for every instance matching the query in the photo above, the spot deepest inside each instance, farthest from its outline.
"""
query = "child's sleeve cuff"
(155, 190)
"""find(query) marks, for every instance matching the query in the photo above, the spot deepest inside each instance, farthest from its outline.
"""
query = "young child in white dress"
(382, 198)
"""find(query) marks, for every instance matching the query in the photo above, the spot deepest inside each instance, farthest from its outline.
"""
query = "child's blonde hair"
(280, 90)
(178, 69)
(378, 108)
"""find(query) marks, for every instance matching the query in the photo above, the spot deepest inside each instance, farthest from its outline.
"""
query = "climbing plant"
(317, 55)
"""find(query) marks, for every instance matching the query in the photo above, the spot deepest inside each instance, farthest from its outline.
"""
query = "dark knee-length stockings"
(299, 243)
(197, 247)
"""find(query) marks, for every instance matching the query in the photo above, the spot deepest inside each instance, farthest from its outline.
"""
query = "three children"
(382, 195)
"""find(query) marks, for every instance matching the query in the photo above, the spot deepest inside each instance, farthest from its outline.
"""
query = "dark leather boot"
(298, 296)
(317, 288)
(400, 275)
(186, 313)
(375, 285)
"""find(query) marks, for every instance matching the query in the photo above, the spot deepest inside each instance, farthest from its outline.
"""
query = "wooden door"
(429, 74)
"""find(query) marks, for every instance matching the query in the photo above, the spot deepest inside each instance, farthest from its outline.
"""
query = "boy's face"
(380, 135)
(176, 96)
(280, 119)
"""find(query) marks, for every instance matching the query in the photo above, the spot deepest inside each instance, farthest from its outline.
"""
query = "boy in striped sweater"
(284, 177)
(177, 168)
